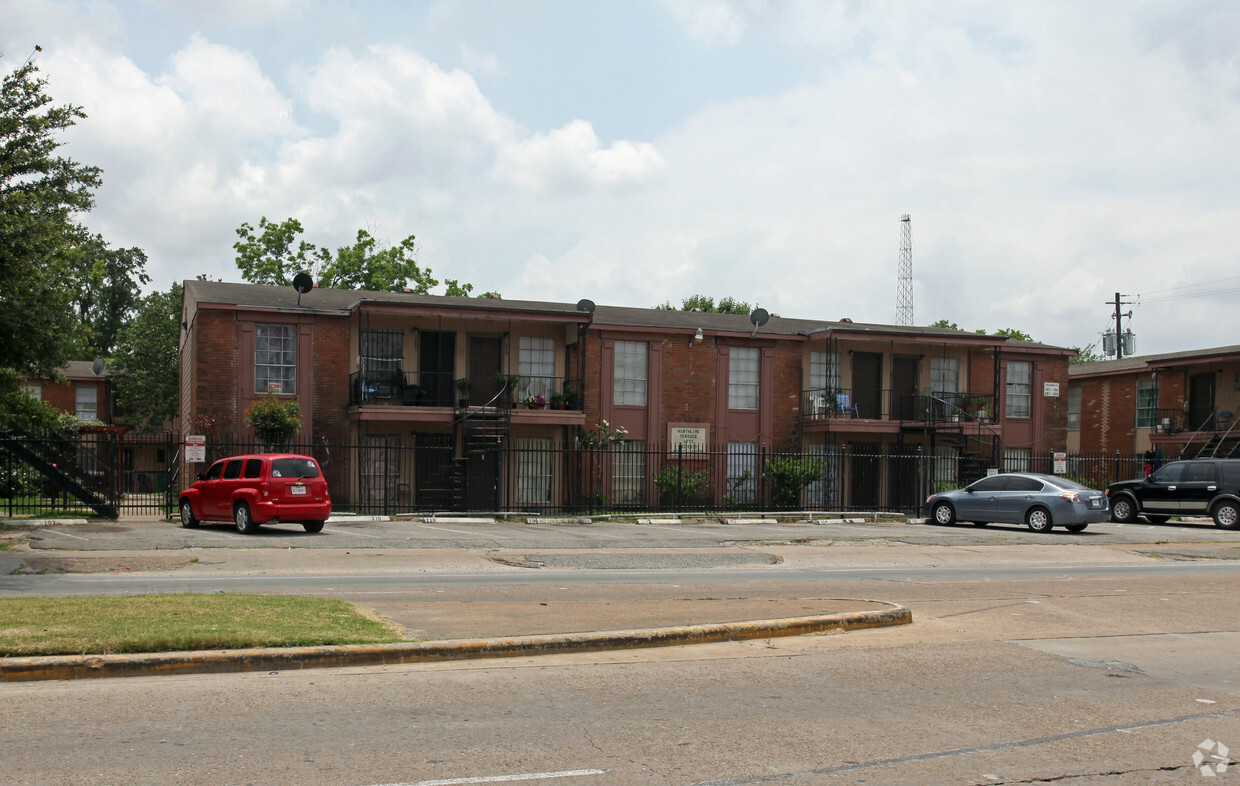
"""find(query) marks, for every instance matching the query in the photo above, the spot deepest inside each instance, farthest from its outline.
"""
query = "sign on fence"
(195, 448)
(1061, 463)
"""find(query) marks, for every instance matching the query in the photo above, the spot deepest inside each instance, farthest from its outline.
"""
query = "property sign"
(689, 438)
(195, 448)
(1050, 389)
(1061, 463)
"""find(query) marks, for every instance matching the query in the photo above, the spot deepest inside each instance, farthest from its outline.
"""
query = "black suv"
(1197, 487)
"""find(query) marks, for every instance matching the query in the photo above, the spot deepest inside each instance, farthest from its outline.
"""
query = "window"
(628, 473)
(253, 468)
(1019, 389)
(630, 367)
(1147, 403)
(743, 364)
(742, 464)
(1074, 408)
(1017, 459)
(536, 365)
(383, 357)
(944, 375)
(233, 470)
(87, 402)
(533, 457)
(824, 371)
(275, 358)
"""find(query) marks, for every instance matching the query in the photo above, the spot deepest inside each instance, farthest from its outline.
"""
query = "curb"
(68, 667)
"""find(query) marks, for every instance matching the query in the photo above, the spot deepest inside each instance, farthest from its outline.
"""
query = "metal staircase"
(67, 474)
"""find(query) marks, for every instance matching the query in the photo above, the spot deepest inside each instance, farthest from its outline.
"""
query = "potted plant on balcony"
(558, 401)
(462, 393)
(507, 385)
(535, 402)
(572, 398)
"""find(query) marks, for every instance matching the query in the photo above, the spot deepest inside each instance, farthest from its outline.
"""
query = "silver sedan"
(1037, 501)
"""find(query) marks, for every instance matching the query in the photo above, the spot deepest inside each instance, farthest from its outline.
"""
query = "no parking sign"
(195, 448)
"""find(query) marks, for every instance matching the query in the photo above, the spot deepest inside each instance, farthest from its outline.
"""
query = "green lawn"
(170, 623)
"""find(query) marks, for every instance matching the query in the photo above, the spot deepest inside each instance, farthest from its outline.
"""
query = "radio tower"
(904, 295)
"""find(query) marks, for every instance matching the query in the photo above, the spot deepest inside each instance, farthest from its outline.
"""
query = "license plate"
(1095, 503)
(297, 490)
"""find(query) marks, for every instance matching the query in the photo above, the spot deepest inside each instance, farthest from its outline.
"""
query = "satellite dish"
(303, 284)
(98, 367)
(758, 318)
(585, 306)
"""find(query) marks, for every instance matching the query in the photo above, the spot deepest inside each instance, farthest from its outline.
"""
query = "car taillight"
(1070, 496)
(263, 488)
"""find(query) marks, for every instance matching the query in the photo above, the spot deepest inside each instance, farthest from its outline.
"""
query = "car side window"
(993, 483)
(1231, 473)
(1168, 474)
(254, 468)
(216, 469)
(1024, 484)
(1199, 471)
(233, 470)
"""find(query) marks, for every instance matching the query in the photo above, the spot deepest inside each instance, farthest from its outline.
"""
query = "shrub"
(787, 476)
(275, 420)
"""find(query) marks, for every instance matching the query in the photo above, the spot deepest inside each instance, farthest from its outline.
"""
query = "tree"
(271, 258)
(41, 195)
(106, 289)
(1088, 354)
(1014, 334)
(145, 364)
(726, 305)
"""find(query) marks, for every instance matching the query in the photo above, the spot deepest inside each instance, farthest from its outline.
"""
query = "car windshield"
(294, 468)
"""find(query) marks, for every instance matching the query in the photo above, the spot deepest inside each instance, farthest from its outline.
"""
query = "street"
(1108, 658)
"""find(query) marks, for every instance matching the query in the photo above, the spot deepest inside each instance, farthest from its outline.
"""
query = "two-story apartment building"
(481, 403)
(1179, 403)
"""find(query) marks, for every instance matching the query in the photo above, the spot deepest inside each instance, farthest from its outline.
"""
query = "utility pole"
(1119, 342)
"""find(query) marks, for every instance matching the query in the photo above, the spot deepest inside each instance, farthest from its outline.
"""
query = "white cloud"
(569, 159)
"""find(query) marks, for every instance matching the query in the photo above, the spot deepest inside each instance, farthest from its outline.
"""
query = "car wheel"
(1226, 515)
(1123, 510)
(1039, 520)
(313, 526)
(1076, 527)
(1157, 519)
(943, 513)
(187, 515)
(243, 519)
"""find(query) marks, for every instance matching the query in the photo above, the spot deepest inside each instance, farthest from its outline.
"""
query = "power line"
(1190, 286)
(1186, 295)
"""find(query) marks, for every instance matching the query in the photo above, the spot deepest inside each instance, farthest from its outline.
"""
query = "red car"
(259, 489)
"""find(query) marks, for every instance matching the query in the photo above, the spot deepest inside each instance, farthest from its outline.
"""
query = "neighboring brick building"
(383, 369)
(1180, 403)
(80, 392)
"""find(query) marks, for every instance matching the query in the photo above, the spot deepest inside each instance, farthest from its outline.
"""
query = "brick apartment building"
(392, 372)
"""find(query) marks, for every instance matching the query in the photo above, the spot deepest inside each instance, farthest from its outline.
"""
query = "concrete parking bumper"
(277, 659)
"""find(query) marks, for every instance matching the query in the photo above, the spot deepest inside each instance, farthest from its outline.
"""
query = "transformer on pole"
(904, 294)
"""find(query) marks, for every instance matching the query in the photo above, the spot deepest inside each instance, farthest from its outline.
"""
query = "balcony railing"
(407, 388)
(441, 389)
(875, 404)
(552, 392)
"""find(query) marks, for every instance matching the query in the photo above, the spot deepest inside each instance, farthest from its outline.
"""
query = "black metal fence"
(425, 473)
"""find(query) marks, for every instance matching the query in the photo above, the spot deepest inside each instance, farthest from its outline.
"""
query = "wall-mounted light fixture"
(698, 336)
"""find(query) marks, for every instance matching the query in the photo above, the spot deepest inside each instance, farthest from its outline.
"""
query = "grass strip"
(173, 623)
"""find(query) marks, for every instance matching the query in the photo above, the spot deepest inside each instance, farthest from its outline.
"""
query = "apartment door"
(1200, 400)
(903, 386)
(867, 383)
(485, 356)
(436, 364)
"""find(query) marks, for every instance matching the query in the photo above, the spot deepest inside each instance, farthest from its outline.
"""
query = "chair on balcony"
(818, 406)
(844, 406)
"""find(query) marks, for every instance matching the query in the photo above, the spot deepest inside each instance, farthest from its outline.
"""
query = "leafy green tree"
(106, 288)
(726, 305)
(1013, 333)
(943, 323)
(275, 421)
(145, 364)
(275, 254)
(41, 196)
(1088, 354)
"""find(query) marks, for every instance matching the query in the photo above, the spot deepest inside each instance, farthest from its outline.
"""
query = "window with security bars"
(1147, 403)
(743, 364)
(275, 358)
(628, 473)
(536, 365)
(1019, 389)
(742, 472)
(534, 471)
(383, 356)
(630, 373)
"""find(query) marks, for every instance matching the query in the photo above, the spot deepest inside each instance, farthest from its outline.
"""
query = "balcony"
(819, 404)
(441, 389)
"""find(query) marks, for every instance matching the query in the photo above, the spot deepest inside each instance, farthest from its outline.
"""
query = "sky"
(637, 152)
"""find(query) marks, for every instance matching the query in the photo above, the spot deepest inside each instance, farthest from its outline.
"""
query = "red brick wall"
(1109, 414)
(330, 383)
(213, 382)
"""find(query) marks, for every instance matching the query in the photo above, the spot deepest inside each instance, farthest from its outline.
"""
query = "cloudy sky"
(635, 152)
